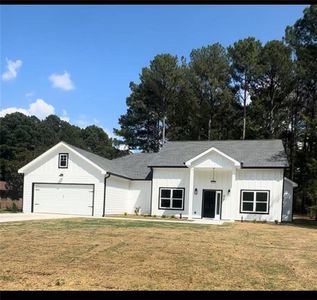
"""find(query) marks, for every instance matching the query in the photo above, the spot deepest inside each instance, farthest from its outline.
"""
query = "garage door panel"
(63, 198)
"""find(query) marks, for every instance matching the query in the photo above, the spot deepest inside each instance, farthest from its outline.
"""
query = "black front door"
(209, 204)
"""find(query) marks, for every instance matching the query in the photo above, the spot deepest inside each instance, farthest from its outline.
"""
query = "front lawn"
(100, 254)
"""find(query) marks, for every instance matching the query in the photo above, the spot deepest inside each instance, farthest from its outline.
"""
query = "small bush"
(137, 210)
(276, 222)
(154, 216)
(172, 217)
(312, 211)
(254, 220)
(14, 208)
(125, 214)
(163, 216)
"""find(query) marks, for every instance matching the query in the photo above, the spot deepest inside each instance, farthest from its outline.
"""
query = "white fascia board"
(22, 170)
(235, 162)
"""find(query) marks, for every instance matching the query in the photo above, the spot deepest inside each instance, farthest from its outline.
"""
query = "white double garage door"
(71, 199)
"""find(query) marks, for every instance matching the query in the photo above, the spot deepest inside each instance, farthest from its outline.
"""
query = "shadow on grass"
(305, 223)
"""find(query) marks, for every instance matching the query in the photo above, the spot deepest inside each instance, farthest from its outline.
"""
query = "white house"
(227, 180)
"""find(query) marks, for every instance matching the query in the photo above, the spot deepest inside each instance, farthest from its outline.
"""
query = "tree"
(302, 38)
(210, 83)
(269, 109)
(145, 124)
(245, 70)
(23, 138)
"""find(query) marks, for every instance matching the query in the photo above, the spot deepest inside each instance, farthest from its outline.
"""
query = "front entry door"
(211, 204)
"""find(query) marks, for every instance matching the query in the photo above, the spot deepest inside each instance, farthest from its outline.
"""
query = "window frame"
(255, 202)
(59, 160)
(171, 198)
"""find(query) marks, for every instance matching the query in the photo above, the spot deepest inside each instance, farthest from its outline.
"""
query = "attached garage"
(72, 199)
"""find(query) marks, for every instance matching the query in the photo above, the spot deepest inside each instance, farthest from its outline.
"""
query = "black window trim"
(67, 159)
(171, 188)
(255, 212)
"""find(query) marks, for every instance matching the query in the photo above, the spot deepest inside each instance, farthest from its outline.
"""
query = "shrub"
(163, 216)
(14, 207)
(137, 210)
(172, 217)
(254, 220)
(276, 222)
(312, 211)
(125, 213)
(154, 216)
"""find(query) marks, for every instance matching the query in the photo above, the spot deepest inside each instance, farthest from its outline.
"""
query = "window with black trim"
(254, 201)
(171, 198)
(63, 160)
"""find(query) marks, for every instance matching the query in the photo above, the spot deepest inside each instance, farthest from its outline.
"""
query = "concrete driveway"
(17, 217)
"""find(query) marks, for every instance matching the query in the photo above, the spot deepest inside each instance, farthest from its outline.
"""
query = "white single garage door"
(70, 199)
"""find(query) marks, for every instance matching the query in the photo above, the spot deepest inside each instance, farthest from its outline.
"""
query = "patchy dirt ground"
(97, 254)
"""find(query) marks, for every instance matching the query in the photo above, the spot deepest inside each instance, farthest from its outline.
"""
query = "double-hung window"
(171, 198)
(63, 160)
(255, 201)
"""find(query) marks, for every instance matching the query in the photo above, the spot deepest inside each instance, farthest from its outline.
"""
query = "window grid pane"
(172, 198)
(255, 201)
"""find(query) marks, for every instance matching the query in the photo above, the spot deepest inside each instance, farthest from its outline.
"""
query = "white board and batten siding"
(172, 178)
(124, 195)
(252, 179)
(79, 172)
(260, 179)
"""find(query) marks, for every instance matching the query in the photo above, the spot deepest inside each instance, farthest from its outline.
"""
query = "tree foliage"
(23, 138)
(248, 91)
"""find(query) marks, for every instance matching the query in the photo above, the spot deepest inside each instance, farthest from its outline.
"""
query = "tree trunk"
(163, 134)
(244, 111)
(209, 129)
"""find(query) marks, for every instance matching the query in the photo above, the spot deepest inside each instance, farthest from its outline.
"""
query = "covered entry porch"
(212, 177)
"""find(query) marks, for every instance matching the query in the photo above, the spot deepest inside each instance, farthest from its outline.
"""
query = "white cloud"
(62, 81)
(12, 69)
(11, 110)
(64, 116)
(39, 108)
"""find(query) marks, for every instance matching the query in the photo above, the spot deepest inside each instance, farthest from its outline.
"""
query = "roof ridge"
(86, 151)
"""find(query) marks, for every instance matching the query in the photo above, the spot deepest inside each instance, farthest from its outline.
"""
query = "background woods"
(248, 90)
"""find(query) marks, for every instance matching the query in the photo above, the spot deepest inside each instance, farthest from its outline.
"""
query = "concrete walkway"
(17, 217)
(195, 221)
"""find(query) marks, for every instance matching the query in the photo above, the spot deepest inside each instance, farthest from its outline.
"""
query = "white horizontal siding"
(140, 195)
(117, 195)
(78, 171)
(123, 195)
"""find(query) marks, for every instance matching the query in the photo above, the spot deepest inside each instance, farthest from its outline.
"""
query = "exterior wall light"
(61, 175)
(228, 191)
(195, 191)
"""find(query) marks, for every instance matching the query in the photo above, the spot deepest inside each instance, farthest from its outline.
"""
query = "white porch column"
(191, 193)
(236, 202)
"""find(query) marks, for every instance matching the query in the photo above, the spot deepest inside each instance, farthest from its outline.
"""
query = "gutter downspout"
(104, 195)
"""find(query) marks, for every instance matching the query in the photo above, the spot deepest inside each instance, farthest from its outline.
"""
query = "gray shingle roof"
(250, 153)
